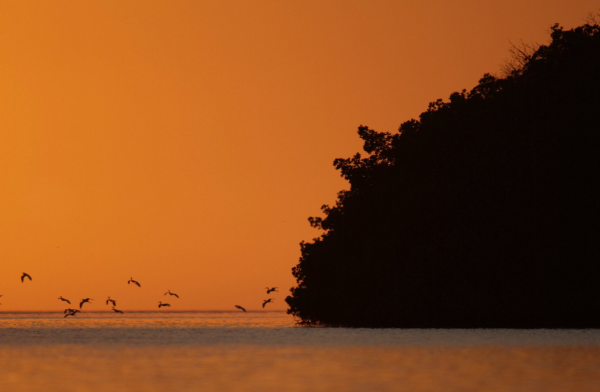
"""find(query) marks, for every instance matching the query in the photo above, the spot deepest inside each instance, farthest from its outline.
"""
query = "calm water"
(265, 351)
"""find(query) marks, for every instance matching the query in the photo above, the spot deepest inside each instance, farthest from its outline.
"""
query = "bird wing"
(139, 285)
(176, 295)
(22, 278)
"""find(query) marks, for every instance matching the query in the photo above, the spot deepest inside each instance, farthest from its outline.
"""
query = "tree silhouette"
(485, 212)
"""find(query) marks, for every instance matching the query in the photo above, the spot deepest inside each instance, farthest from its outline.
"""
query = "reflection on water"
(265, 351)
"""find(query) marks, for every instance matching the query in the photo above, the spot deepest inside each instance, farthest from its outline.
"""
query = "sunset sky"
(185, 143)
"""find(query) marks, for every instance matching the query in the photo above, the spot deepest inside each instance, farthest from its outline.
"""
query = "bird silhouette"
(160, 304)
(71, 312)
(134, 282)
(170, 293)
(25, 275)
(240, 307)
(111, 300)
(84, 301)
(64, 299)
(116, 310)
(269, 290)
(267, 301)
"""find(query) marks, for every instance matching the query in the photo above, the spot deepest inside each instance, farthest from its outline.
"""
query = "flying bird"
(240, 307)
(84, 301)
(267, 301)
(64, 299)
(25, 275)
(71, 312)
(160, 304)
(269, 290)
(116, 310)
(111, 300)
(134, 282)
(169, 292)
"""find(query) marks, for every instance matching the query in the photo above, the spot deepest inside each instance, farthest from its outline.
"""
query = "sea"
(268, 351)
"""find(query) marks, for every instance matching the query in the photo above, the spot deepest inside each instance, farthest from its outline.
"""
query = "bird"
(111, 300)
(269, 290)
(160, 304)
(267, 301)
(116, 310)
(64, 299)
(84, 301)
(25, 275)
(169, 292)
(240, 307)
(71, 312)
(134, 282)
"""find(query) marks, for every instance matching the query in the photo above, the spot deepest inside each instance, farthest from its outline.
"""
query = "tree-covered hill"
(483, 213)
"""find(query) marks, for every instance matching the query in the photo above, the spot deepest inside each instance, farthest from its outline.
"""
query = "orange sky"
(185, 143)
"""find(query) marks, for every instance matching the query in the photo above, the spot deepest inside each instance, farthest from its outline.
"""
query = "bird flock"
(73, 312)
(265, 302)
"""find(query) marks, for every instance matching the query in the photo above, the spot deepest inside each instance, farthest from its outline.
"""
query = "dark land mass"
(484, 213)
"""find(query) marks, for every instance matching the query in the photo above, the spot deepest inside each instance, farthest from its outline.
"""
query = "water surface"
(266, 351)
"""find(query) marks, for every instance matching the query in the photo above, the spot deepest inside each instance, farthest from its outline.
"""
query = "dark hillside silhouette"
(483, 213)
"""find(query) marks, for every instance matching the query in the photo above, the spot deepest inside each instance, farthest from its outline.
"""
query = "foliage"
(482, 213)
